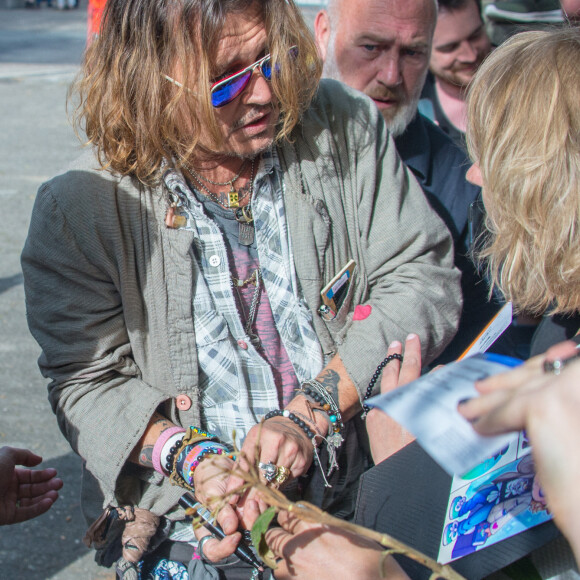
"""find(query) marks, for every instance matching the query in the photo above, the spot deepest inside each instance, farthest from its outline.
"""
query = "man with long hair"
(227, 265)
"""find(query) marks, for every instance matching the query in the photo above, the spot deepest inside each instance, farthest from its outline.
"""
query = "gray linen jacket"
(109, 286)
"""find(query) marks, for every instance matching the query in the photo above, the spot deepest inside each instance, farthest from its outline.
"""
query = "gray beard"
(396, 124)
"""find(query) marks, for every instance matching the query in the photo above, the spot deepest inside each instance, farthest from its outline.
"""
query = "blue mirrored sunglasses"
(226, 90)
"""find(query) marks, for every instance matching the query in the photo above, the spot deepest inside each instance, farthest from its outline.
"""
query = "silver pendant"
(246, 234)
(335, 440)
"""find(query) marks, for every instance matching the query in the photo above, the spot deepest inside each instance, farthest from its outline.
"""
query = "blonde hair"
(524, 133)
(136, 118)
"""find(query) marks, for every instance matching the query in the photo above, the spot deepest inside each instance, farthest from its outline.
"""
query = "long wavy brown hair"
(136, 118)
(524, 133)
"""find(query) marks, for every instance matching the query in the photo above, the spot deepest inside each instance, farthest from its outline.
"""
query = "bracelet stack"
(186, 455)
(191, 456)
(315, 391)
(375, 378)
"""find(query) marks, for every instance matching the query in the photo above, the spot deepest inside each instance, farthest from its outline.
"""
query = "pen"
(243, 552)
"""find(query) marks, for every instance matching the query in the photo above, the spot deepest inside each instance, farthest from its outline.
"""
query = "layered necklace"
(243, 215)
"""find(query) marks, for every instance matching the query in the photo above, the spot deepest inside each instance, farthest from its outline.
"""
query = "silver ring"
(555, 367)
(270, 470)
(200, 545)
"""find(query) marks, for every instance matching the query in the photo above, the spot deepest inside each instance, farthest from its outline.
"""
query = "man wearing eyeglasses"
(240, 244)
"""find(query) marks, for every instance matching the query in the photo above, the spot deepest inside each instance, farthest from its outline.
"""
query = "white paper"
(427, 407)
(491, 332)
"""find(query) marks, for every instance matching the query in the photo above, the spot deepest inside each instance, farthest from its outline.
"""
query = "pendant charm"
(244, 214)
(173, 220)
(335, 440)
(245, 234)
(255, 340)
(233, 199)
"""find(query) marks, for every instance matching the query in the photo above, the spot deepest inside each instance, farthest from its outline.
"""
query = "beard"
(396, 118)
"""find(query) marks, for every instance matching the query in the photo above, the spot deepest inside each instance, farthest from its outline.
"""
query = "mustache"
(253, 115)
(387, 94)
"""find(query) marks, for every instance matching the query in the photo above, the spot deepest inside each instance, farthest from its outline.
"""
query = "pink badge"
(362, 311)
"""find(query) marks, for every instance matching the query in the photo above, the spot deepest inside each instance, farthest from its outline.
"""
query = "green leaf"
(258, 534)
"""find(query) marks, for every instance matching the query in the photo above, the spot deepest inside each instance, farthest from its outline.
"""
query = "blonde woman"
(524, 139)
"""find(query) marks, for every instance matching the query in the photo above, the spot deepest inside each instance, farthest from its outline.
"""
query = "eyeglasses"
(226, 90)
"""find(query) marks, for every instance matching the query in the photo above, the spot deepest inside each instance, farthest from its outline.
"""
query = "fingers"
(19, 456)
(215, 550)
(561, 350)
(411, 366)
(37, 477)
(28, 512)
(277, 538)
(34, 490)
(29, 501)
(494, 413)
(281, 443)
(514, 378)
(228, 519)
(249, 512)
(390, 376)
(396, 374)
(505, 398)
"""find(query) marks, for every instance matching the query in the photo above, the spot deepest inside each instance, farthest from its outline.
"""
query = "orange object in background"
(95, 13)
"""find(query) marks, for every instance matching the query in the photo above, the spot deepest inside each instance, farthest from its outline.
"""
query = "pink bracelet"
(159, 444)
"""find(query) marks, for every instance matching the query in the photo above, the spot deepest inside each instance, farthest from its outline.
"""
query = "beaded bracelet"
(191, 457)
(375, 378)
(297, 420)
(193, 435)
(320, 395)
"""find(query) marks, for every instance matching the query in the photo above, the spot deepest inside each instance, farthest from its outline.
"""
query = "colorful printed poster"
(497, 499)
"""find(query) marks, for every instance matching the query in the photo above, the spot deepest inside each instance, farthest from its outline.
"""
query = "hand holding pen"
(243, 551)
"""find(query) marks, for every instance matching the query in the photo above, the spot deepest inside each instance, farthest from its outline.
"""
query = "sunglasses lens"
(266, 68)
(223, 93)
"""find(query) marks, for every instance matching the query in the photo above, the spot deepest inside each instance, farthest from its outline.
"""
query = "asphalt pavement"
(40, 52)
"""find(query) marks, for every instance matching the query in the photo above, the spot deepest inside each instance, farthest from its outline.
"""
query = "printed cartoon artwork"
(499, 498)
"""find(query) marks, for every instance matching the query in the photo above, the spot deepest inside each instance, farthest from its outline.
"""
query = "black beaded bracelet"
(297, 420)
(334, 415)
(376, 376)
(170, 459)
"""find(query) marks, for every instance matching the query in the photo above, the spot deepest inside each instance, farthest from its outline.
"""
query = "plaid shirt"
(237, 384)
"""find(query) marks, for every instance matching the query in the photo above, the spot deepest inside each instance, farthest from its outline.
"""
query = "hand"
(325, 553)
(24, 493)
(279, 441)
(210, 479)
(547, 407)
(386, 436)
(501, 408)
